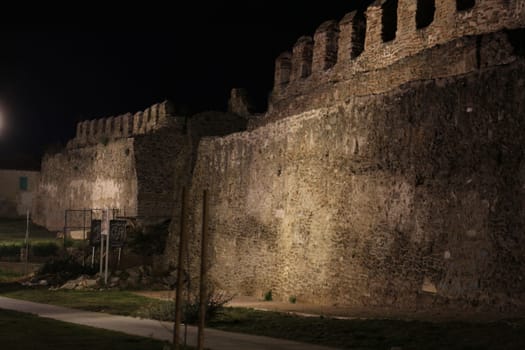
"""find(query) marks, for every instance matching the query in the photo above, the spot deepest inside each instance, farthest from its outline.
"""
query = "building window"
(23, 183)
(463, 5)
(425, 13)
(389, 20)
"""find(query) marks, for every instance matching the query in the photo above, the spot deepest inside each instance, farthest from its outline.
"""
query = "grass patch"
(14, 230)
(11, 249)
(345, 334)
(109, 301)
(375, 334)
(43, 243)
(20, 331)
(9, 276)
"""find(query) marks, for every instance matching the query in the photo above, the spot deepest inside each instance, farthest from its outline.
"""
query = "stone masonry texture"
(136, 166)
(395, 179)
(385, 173)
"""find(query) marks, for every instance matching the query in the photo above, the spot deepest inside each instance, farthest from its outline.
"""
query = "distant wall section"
(139, 170)
(97, 176)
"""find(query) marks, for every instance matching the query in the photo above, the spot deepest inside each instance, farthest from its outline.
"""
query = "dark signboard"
(117, 233)
(96, 229)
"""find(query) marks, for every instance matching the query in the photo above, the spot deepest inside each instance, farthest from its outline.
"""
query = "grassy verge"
(346, 334)
(12, 235)
(14, 230)
(375, 334)
(8, 276)
(109, 301)
(20, 331)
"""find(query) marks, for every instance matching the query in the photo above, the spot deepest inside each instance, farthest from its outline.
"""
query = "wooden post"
(64, 238)
(106, 266)
(178, 291)
(26, 243)
(202, 288)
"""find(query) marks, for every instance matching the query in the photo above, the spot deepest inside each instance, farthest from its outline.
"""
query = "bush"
(37, 249)
(190, 310)
(10, 250)
(45, 249)
(214, 306)
(268, 296)
(65, 269)
(292, 299)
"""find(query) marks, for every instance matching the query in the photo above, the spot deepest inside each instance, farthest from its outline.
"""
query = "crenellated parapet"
(383, 34)
(302, 55)
(103, 130)
(326, 39)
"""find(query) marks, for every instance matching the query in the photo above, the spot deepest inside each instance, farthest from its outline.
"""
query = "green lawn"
(19, 331)
(109, 301)
(376, 334)
(8, 276)
(14, 230)
(346, 334)
(42, 242)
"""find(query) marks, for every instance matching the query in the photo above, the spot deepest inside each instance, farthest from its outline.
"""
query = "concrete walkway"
(215, 340)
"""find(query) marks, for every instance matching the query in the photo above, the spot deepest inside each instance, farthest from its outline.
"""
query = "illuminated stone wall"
(329, 57)
(138, 173)
(127, 163)
(410, 196)
(381, 200)
(100, 176)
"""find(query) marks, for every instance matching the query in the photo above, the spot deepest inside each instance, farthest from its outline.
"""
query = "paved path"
(215, 340)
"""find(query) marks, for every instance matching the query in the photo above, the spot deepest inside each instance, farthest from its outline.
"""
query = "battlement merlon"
(94, 131)
(385, 32)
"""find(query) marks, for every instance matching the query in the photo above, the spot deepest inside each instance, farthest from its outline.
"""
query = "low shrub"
(190, 310)
(10, 250)
(268, 296)
(65, 269)
(45, 249)
(214, 306)
(292, 299)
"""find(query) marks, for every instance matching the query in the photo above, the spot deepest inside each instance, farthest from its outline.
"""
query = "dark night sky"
(96, 66)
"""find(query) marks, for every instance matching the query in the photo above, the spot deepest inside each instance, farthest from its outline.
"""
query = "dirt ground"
(311, 310)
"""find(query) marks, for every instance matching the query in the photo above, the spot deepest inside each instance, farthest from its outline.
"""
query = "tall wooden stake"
(106, 262)
(178, 292)
(26, 243)
(203, 293)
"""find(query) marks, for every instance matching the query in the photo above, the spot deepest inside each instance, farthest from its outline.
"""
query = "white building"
(17, 188)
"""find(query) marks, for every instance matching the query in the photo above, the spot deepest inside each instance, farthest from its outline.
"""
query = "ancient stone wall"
(126, 163)
(399, 187)
(138, 172)
(407, 198)
(97, 176)
(156, 117)
(356, 53)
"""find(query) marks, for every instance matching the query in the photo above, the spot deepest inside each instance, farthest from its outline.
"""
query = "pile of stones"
(140, 277)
